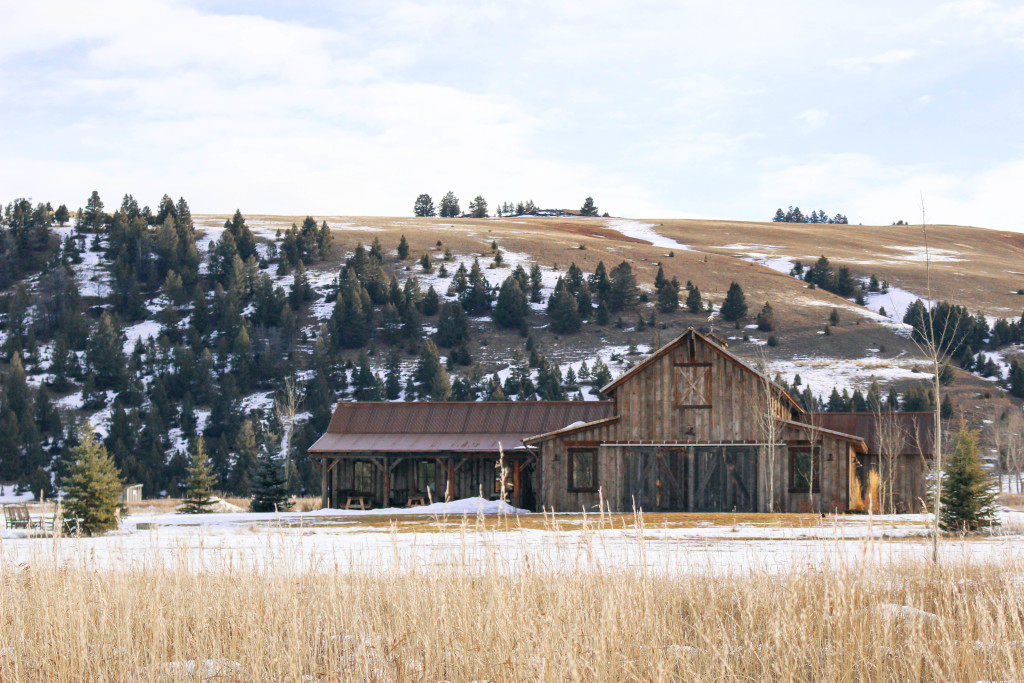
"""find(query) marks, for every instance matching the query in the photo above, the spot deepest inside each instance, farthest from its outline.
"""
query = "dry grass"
(1012, 500)
(904, 622)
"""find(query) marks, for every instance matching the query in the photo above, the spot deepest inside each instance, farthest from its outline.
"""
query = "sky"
(656, 109)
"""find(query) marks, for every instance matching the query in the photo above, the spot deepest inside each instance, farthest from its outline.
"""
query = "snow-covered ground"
(644, 231)
(821, 374)
(438, 539)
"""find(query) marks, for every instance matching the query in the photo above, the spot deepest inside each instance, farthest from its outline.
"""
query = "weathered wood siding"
(908, 480)
(730, 402)
(690, 437)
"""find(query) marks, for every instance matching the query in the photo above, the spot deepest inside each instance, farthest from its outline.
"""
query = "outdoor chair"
(16, 516)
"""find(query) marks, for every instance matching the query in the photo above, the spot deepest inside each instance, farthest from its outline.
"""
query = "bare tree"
(770, 425)
(286, 406)
(934, 345)
(891, 440)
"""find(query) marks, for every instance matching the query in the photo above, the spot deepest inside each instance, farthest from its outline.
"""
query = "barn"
(691, 428)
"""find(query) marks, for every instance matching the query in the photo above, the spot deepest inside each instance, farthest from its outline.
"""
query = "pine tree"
(735, 305)
(562, 310)
(452, 325)
(93, 487)
(269, 485)
(478, 207)
(623, 292)
(431, 377)
(201, 480)
(766, 318)
(403, 247)
(61, 215)
(968, 496)
(511, 308)
(424, 206)
(693, 300)
(667, 292)
(450, 205)
(588, 208)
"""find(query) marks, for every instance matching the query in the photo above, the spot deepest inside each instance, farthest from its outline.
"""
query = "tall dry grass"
(904, 622)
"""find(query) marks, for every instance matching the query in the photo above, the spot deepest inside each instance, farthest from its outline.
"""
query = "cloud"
(864, 63)
(812, 119)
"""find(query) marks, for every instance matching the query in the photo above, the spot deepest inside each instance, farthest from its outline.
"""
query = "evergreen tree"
(536, 284)
(588, 208)
(201, 480)
(667, 292)
(511, 308)
(694, 300)
(431, 303)
(450, 206)
(403, 246)
(968, 494)
(432, 379)
(735, 305)
(93, 487)
(452, 325)
(61, 215)
(393, 376)
(424, 206)
(766, 318)
(246, 450)
(562, 309)
(478, 207)
(269, 485)
(623, 292)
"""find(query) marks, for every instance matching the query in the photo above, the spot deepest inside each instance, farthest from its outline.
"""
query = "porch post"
(323, 482)
(387, 482)
(515, 483)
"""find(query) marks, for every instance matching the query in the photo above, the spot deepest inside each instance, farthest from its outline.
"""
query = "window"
(692, 385)
(582, 469)
(426, 473)
(363, 477)
(801, 467)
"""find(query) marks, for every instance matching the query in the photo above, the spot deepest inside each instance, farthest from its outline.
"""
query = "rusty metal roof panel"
(916, 428)
(452, 426)
(417, 443)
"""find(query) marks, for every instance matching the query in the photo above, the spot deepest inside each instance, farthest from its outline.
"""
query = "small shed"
(132, 494)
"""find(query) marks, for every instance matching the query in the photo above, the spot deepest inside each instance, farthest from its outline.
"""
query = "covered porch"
(402, 478)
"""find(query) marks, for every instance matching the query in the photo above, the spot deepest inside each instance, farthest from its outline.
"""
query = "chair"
(16, 516)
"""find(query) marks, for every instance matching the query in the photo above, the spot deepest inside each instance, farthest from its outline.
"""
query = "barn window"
(582, 469)
(426, 474)
(692, 385)
(363, 477)
(802, 466)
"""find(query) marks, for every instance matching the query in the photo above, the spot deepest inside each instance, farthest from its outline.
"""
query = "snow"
(144, 331)
(822, 374)
(8, 495)
(443, 538)
(920, 254)
(644, 231)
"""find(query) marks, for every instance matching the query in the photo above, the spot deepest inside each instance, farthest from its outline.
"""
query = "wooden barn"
(691, 428)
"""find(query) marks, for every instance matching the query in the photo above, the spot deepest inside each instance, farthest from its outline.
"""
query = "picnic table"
(16, 516)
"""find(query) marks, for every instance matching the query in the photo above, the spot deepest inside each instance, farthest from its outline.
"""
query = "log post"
(515, 483)
(324, 473)
(386, 502)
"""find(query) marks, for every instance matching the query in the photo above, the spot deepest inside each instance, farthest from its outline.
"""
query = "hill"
(159, 328)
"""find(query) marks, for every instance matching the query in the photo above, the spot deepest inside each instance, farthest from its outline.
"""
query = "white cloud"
(812, 119)
(864, 63)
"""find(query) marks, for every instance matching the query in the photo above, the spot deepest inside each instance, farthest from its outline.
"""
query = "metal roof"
(916, 428)
(449, 426)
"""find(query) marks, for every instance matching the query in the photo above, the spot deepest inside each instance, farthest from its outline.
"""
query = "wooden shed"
(695, 428)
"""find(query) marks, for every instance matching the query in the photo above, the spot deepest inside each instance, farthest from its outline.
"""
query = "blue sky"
(657, 109)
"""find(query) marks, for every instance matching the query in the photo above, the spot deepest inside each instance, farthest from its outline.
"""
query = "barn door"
(655, 479)
(725, 479)
(709, 479)
(741, 478)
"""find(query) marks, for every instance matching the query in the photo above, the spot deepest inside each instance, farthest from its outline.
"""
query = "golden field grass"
(906, 622)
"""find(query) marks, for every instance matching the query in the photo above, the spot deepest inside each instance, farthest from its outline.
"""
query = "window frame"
(571, 470)
(815, 462)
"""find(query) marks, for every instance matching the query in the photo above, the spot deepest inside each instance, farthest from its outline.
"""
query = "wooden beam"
(324, 473)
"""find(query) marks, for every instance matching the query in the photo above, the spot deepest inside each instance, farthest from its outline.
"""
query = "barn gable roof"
(456, 426)
(712, 342)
